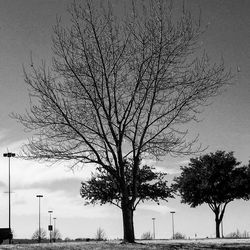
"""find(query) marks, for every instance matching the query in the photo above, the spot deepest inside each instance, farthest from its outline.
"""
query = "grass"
(154, 244)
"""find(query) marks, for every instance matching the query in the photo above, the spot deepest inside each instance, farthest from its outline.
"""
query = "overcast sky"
(26, 26)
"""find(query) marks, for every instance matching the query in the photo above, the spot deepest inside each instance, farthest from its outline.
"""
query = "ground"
(154, 244)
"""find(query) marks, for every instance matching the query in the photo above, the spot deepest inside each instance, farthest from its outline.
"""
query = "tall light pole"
(173, 212)
(153, 219)
(9, 155)
(54, 229)
(50, 226)
(39, 196)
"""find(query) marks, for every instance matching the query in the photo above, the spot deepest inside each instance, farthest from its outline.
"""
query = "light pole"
(9, 155)
(39, 196)
(173, 212)
(153, 219)
(54, 229)
(50, 226)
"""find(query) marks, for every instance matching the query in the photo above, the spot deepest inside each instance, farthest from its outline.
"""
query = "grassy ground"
(157, 244)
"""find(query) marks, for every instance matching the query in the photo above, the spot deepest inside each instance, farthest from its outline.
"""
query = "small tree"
(100, 234)
(147, 236)
(215, 179)
(43, 234)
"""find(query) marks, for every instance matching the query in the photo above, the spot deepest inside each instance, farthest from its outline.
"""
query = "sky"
(27, 26)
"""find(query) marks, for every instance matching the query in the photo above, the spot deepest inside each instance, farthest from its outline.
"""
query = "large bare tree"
(122, 85)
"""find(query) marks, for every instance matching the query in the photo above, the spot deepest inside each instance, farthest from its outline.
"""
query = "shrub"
(179, 236)
(147, 236)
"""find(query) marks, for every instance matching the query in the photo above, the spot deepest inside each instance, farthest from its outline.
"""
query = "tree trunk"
(217, 222)
(128, 224)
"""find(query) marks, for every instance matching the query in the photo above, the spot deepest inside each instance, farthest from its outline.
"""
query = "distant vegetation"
(100, 234)
(147, 236)
(237, 234)
(43, 234)
(179, 236)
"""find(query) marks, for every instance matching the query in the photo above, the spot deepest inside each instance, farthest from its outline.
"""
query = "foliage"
(179, 236)
(100, 234)
(147, 236)
(121, 86)
(215, 179)
(104, 188)
(43, 234)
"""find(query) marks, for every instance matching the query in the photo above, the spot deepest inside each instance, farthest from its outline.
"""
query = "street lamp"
(39, 196)
(50, 226)
(153, 219)
(9, 155)
(173, 212)
(54, 229)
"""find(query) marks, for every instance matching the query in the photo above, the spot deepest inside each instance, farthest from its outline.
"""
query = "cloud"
(169, 167)
(70, 186)
(162, 209)
(3, 134)
(184, 162)
(2, 185)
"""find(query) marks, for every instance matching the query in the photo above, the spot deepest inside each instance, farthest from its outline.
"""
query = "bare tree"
(100, 234)
(121, 86)
(43, 234)
(56, 235)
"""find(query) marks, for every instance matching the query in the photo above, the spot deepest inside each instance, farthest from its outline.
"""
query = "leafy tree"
(121, 86)
(215, 179)
(103, 187)
(43, 234)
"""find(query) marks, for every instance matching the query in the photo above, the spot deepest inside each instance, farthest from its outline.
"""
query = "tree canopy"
(215, 179)
(103, 187)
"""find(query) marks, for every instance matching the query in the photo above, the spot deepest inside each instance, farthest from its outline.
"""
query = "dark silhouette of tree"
(43, 234)
(122, 85)
(215, 179)
(103, 187)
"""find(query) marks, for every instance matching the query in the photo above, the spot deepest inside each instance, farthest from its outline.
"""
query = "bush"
(179, 236)
(147, 236)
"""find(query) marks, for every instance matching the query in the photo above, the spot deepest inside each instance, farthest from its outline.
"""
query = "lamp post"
(173, 212)
(39, 196)
(50, 226)
(54, 229)
(153, 219)
(9, 155)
